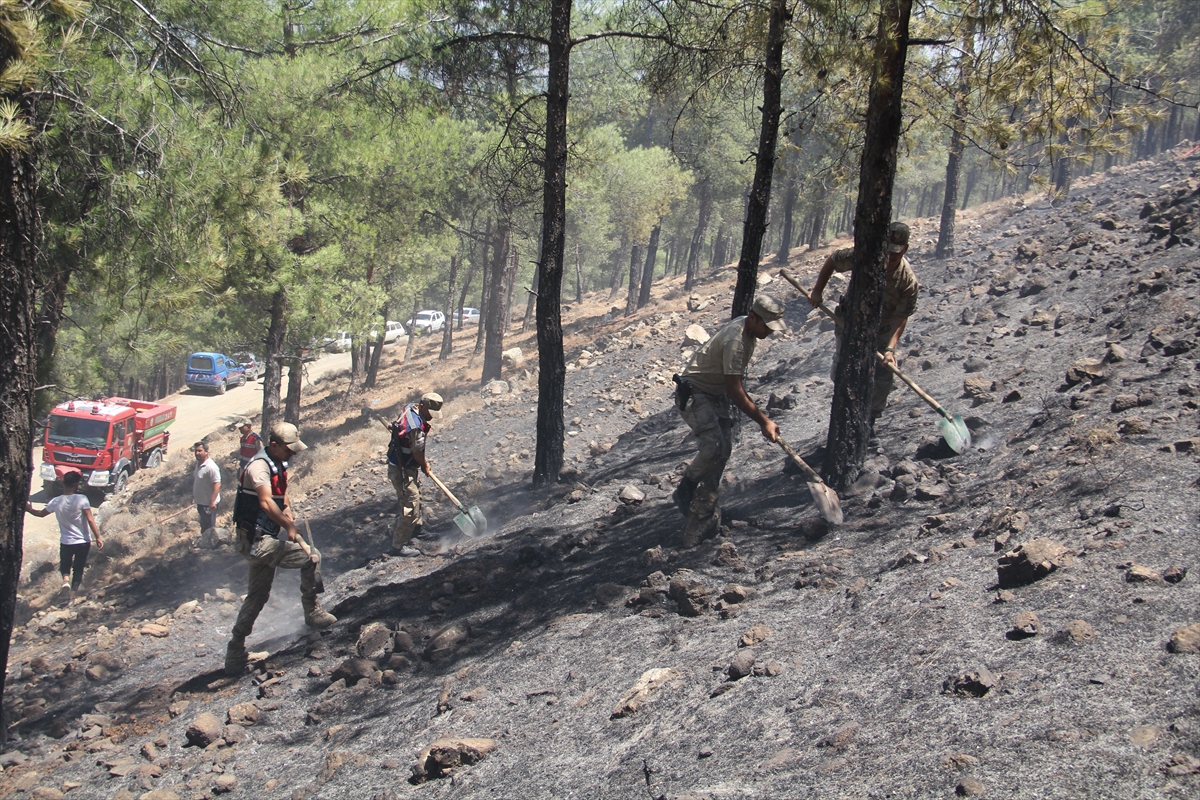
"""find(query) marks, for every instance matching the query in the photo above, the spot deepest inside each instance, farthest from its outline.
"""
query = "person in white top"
(74, 514)
(206, 487)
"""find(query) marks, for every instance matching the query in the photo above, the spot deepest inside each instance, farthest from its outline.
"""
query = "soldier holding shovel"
(705, 394)
(406, 462)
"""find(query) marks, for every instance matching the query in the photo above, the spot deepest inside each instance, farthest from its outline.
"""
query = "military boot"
(684, 493)
(315, 616)
(704, 518)
(236, 657)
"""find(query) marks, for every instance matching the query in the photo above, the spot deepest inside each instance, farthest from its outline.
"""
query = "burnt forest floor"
(785, 658)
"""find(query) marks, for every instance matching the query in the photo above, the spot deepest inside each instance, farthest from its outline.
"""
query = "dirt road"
(199, 415)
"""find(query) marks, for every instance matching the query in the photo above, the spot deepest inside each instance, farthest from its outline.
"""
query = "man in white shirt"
(206, 486)
(74, 514)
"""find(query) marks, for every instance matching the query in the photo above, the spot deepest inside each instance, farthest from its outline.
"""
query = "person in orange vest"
(251, 442)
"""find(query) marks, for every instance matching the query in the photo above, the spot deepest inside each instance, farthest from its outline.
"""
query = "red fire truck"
(105, 440)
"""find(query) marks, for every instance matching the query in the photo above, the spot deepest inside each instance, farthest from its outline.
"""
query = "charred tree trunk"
(863, 304)
(578, 276)
(510, 283)
(273, 362)
(697, 245)
(20, 225)
(530, 301)
(493, 344)
(958, 139)
(291, 405)
(817, 230)
(448, 329)
(410, 343)
(789, 208)
(764, 167)
(635, 278)
(377, 349)
(357, 357)
(552, 372)
(484, 287)
(648, 272)
(614, 282)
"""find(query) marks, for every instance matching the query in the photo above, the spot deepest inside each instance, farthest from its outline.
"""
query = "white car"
(467, 316)
(340, 342)
(392, 331)
(427, 322)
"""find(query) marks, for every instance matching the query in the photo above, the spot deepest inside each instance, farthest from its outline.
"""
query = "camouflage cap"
(433, 401)
(897, 237)
(770, 311)
(288, 435)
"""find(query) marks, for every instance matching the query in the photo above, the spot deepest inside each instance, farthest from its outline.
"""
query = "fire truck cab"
(105, 440)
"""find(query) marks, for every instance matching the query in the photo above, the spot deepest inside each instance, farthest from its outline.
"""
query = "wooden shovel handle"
(447, 492)
(921, 393)
(805, 468)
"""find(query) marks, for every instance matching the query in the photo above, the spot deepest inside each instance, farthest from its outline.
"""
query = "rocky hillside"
(1015, 621)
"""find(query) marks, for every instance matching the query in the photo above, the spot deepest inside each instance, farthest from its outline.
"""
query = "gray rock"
(375, 641)
(970, 684)
(1185, 640)
(447, 640)
(1123, 402)
(630, 495)
(244, 714)
(1025, 625)
(353, 670)
(1032, 561)
(741, 665)
(204, 730)
(441, 757)
(691, 597)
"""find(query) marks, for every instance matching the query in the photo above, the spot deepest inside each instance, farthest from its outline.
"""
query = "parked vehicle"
(427, 322)
(105, 440)
(214, 371)
(340, 342)
(467, 316)
(250, 365)
(391, 332)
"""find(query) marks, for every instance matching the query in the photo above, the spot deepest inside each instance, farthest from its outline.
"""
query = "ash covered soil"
(1015, 621)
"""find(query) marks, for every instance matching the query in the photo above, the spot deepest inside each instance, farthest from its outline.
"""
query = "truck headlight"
(98, 478)
(47, 472)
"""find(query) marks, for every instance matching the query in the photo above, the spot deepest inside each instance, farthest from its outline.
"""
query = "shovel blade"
(478, 519)
(827, 502)
(465, 525)
(955, 432)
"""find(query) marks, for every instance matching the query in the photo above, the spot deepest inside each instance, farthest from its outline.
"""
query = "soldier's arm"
(737, 393)
(277, 515)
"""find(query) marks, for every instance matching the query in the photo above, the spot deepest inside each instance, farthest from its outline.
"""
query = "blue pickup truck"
(215, 371)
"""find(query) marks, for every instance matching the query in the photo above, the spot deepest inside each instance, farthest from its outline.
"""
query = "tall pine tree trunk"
(697, 244)
(760, 193)
(448, 330)
(578, 276)
(648, 272)
(789, 207)
(552, 372)
(493, 344)
(849, 416)
(20, 229)
(958, 126)
(484, 286)
(291, 405)
(635, 278)
(273, 362)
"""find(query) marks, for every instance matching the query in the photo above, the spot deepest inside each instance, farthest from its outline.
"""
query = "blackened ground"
(566, 603)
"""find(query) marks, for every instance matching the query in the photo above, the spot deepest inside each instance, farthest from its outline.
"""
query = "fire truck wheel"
(154, 459)
(122, 478)
(51, 489)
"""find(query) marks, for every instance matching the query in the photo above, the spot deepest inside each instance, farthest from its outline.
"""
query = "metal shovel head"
(955, 432)
(826, 501)
(472, 523)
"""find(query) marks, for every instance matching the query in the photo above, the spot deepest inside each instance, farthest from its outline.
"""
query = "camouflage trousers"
(266, 554)
(711, 418)
(407, 483)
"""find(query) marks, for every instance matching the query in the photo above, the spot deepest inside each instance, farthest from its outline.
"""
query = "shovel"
(471, 520)
(825, 499)
(952, 427)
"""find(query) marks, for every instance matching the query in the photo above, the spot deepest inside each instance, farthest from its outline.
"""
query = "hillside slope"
(882, 658)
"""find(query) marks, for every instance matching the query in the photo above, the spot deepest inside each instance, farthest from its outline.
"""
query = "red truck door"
(122, 440)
